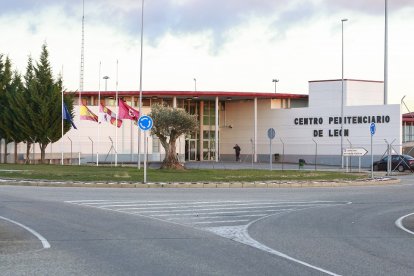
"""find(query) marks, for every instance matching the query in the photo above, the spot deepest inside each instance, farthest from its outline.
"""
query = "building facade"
(315, 127)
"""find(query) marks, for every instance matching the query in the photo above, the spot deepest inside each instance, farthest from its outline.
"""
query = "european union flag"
(66, 116)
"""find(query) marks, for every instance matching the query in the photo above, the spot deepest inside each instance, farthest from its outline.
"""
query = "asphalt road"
(318, 231)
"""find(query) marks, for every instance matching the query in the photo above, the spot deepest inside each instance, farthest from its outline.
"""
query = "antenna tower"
(82, 63)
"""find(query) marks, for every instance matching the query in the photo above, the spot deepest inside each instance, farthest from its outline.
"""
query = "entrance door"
(192, 150)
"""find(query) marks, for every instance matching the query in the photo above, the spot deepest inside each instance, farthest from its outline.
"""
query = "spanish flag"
(86, 114)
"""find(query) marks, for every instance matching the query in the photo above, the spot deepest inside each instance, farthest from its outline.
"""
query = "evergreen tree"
(9, 119)
(6, 87)
(45, 96)
(24, 111)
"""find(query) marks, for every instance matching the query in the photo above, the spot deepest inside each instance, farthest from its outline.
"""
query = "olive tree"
(168, 125)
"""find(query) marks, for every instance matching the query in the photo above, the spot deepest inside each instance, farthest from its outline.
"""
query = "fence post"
(283, 152)
(92, 147)
(316, 151)
(349, 157)
(70, 150)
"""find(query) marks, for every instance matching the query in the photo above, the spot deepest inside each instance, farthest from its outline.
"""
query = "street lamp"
(275, 81)
(106, 82)
(342, 97)
(195, 85)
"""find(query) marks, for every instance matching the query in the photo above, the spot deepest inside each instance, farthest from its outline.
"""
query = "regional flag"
(86, 114)
(66, 116)
(108, 116)
(127, 112)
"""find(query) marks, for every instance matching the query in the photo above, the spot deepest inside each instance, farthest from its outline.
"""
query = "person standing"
(237, 149)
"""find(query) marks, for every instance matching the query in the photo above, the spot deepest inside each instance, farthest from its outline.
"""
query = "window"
(280, 103)
(155, 144)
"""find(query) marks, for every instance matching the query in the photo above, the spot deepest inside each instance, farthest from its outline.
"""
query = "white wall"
(356, 93)
(325, 93)
(364, 93)
(301, 136)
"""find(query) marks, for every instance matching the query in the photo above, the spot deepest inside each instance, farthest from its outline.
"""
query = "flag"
(86, 114)
(108, 116)
(127, 112)
(66, 116)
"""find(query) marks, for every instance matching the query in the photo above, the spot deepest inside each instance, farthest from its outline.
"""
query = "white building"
(307, 126)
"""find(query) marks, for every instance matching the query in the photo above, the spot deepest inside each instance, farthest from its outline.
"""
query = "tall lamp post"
(195, 85)
(342, 97)
(275, 81)
(106, 82)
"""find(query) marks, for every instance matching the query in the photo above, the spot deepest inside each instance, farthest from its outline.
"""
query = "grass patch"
(132, 174)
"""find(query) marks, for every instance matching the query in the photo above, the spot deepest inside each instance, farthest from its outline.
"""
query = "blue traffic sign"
(145, 122)
(372, 129)
(271, 133)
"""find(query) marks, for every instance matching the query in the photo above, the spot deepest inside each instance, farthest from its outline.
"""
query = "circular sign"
(372, 128)
(271, 133)
(145, 122)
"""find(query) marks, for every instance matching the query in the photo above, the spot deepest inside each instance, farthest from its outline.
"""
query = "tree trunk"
(28, 145)
(171, 160)
(5, 151)
(42, 152)
(15, 153)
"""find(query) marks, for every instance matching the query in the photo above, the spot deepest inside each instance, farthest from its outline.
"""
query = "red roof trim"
(408, 117)
(197, 93)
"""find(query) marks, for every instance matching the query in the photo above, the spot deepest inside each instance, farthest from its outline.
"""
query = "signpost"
(372, 129)
(145, 123)
(355, 152)
(271, 133)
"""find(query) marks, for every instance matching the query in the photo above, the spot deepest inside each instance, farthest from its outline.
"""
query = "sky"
(226, 45)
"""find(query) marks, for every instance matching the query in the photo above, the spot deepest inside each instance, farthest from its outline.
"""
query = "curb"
(264, 184)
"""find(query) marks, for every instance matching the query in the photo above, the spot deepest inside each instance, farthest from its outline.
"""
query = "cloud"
(374, 7)
(187, 17)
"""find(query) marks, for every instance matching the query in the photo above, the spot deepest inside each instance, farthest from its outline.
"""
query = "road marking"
(275, 211)
(184, 213)
(45, 243)
(219, 221)
(198, 205)
(240, 234)
(210, 217)
(400, 225)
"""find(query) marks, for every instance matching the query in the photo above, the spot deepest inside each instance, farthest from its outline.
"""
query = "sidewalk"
(261, 166)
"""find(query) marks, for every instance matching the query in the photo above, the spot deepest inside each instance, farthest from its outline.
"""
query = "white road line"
(197, 205)
(210, 217)
(175, 202)
(45, 243)
(146, 203)
(209, 209)
(219, 221)
(214, 213)
(399, 224)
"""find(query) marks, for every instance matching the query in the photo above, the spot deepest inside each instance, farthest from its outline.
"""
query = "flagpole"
(117, 111)
(61, 140)
(140, 85)
(386, 55)
(99, 115)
